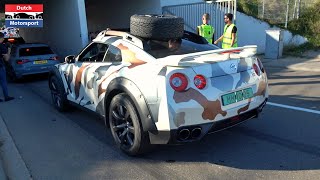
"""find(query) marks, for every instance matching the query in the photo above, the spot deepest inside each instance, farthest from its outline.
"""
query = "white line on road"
(293, 107)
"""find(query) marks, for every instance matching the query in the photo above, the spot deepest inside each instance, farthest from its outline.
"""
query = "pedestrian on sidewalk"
(5, 55)
(206, 30)
(229, 37)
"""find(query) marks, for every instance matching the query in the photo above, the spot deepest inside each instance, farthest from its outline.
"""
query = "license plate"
(41, 62)
(237, 96)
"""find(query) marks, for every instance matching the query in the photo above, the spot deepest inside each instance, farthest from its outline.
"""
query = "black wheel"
(125, 126)
(58, 95)
(160, 27)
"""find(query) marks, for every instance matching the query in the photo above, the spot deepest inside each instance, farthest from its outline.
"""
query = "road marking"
(293, 107)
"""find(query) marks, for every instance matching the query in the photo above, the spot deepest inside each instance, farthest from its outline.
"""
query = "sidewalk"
(309, 62)
(2, 172)
(12, 165)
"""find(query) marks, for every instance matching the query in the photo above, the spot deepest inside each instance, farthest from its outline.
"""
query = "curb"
(13, 164)
(294, 68)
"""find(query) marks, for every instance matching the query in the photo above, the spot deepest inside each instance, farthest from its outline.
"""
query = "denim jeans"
(3, 81)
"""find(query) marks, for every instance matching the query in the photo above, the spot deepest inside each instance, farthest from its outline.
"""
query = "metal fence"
(281, 11)
(192, 14)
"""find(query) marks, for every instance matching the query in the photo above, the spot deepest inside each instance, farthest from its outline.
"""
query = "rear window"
(160, 49)
(34, 51)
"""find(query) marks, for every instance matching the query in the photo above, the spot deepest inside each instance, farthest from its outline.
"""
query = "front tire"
(126, 126)
(58, 95)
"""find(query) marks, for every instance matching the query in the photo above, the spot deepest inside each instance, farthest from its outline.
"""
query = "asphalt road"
(281, 144)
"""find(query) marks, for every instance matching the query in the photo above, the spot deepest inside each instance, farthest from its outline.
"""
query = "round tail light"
(200, 81)
(178, 82)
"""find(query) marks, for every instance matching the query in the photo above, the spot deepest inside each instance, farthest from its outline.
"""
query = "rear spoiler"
(244, 51)
(125, 35)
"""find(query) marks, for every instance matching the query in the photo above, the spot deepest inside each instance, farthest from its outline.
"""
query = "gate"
(192, 14)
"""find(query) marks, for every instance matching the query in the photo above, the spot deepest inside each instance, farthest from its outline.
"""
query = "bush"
(308, 24)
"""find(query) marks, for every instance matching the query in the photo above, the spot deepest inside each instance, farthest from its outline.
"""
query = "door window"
(113, 54)
(93, 53)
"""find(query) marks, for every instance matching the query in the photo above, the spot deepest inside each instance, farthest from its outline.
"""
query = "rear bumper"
(196, 132)
(22, 71)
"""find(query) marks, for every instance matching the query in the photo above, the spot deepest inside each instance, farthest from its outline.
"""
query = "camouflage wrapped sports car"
(153, 91)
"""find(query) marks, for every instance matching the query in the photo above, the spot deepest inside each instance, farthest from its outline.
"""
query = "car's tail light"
(11, 40)
(54, 58)
(256, 69)
(260, 65)
(178, 81)
(200, 81)
(22, 61)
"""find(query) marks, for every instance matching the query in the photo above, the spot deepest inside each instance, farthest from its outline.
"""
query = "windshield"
(160, 49)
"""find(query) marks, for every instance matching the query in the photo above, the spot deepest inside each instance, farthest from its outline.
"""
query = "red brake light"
(178, 81)
(256, 69)
(11, 40)
(54, 58)
(200, 81)
(22, 61)
(232, 51)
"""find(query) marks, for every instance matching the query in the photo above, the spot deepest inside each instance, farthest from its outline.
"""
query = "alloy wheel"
(122, 126)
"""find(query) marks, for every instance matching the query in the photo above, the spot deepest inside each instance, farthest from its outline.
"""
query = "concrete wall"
(65, 27)
(103, 14)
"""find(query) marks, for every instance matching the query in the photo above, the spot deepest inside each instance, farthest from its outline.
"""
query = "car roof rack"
(125, 36)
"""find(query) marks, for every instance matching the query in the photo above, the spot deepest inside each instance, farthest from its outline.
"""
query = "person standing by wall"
(205, 30)
(229, 37)
(5, 55)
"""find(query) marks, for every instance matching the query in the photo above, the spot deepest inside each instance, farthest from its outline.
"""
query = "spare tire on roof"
(159, 27)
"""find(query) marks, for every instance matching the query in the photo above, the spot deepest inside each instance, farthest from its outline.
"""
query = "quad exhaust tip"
(185, 134)
(195, 133)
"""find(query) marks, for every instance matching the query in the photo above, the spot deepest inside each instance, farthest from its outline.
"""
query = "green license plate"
(237, 96)
(41, 62)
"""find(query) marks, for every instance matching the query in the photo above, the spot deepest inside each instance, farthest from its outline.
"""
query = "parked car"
(30, 58)
(23, 16)
(150, 91)
(39, 16)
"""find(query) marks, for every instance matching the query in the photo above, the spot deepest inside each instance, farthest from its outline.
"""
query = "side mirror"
(69, 59)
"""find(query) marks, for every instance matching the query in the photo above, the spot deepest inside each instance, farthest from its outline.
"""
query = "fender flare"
(119, 85)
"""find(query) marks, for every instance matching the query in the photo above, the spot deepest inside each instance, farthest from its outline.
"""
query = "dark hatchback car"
(30, 58)
(23, 16)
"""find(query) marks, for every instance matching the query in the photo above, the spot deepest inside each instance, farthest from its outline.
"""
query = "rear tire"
(159, 27)
(125, 126)
(58, 95)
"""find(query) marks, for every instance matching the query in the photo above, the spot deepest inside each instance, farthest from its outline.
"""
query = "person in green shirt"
(206, 30)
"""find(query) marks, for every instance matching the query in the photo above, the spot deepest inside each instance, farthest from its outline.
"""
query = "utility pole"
(298, 9)
(294, 9)
(263, 4)
(287, 15)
